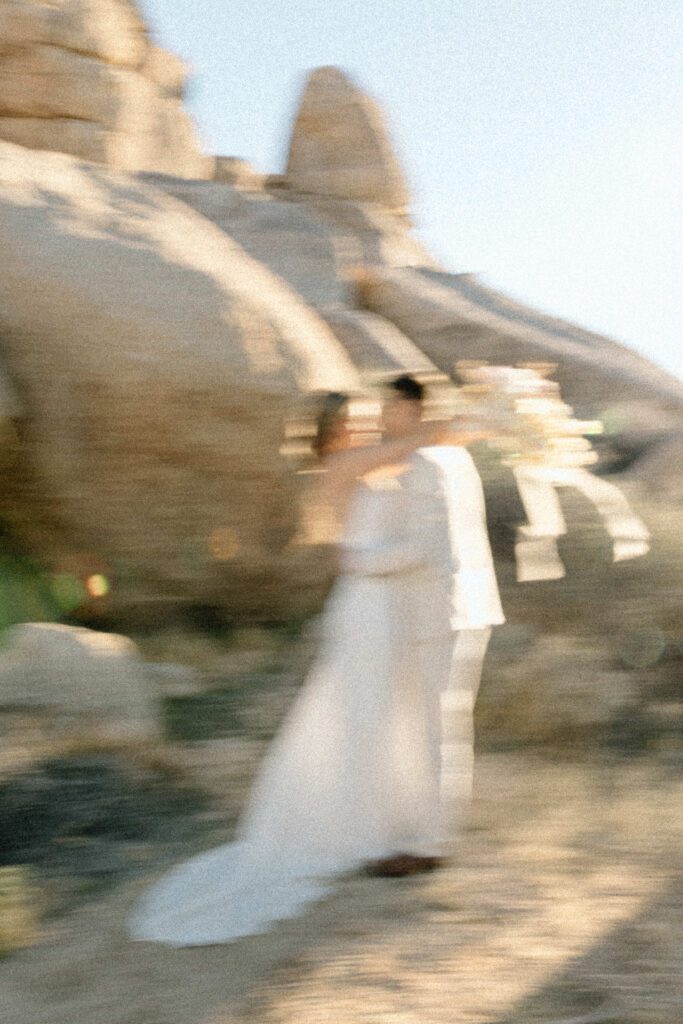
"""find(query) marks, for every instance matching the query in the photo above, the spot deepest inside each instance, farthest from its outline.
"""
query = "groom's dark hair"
(407, 387)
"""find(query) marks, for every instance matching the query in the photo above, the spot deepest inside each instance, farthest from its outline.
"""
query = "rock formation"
(82, 77)
(340, 147)
(350, 253)
(158, 329)
(452, 317)
(157, 363)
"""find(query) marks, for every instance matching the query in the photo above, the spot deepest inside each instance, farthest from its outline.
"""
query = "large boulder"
(340, 146)
(82, 77)
(156, 363)
(92, 681)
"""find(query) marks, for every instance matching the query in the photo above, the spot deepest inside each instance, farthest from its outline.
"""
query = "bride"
(343, 779)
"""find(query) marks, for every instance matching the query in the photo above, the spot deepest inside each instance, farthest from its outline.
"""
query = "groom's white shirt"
(436, 545)
(473, 597)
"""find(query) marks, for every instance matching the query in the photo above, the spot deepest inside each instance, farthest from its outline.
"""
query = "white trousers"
(450, 671)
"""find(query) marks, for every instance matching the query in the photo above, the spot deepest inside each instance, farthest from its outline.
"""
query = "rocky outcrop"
(317, 245)
(157, 329)
(452, 317)
(350, 253)
(340, 147)
(287, 237)
(111, 30)
(82, 77)
(156, 363)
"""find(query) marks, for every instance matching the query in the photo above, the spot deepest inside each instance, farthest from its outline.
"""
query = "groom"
(452, 601)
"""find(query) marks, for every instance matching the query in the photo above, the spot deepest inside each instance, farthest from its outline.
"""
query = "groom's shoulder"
(446, 455)
(454, 464)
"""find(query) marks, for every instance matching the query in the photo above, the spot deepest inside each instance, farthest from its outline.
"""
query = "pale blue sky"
(541, 139)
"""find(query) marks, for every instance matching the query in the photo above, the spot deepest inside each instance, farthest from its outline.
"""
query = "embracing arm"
(419, 526)
(399, 555)
(345, 467)
(348, 466)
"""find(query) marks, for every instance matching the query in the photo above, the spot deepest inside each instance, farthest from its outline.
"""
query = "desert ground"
(563, 903)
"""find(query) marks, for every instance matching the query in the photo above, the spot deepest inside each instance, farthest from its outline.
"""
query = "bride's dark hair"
(333, 406)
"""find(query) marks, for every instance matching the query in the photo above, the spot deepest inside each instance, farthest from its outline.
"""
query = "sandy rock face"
(156, 330)
(340, 146)
(287, 237)
(82, 77)
(452, 317)
(166, 70)
(156, 363)
(111, 30)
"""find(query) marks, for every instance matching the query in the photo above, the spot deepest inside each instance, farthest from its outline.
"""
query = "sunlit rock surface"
(83, 77)
(156, 363)
(159, 330)
(340, 147)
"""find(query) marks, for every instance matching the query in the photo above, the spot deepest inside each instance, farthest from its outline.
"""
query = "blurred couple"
(372, 767)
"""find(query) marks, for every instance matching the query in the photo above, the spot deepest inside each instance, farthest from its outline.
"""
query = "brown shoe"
(402, 864)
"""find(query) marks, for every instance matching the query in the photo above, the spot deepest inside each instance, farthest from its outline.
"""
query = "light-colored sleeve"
(397, 556)
(411, 540)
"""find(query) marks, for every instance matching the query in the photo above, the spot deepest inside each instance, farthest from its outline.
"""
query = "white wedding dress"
(342, 783)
